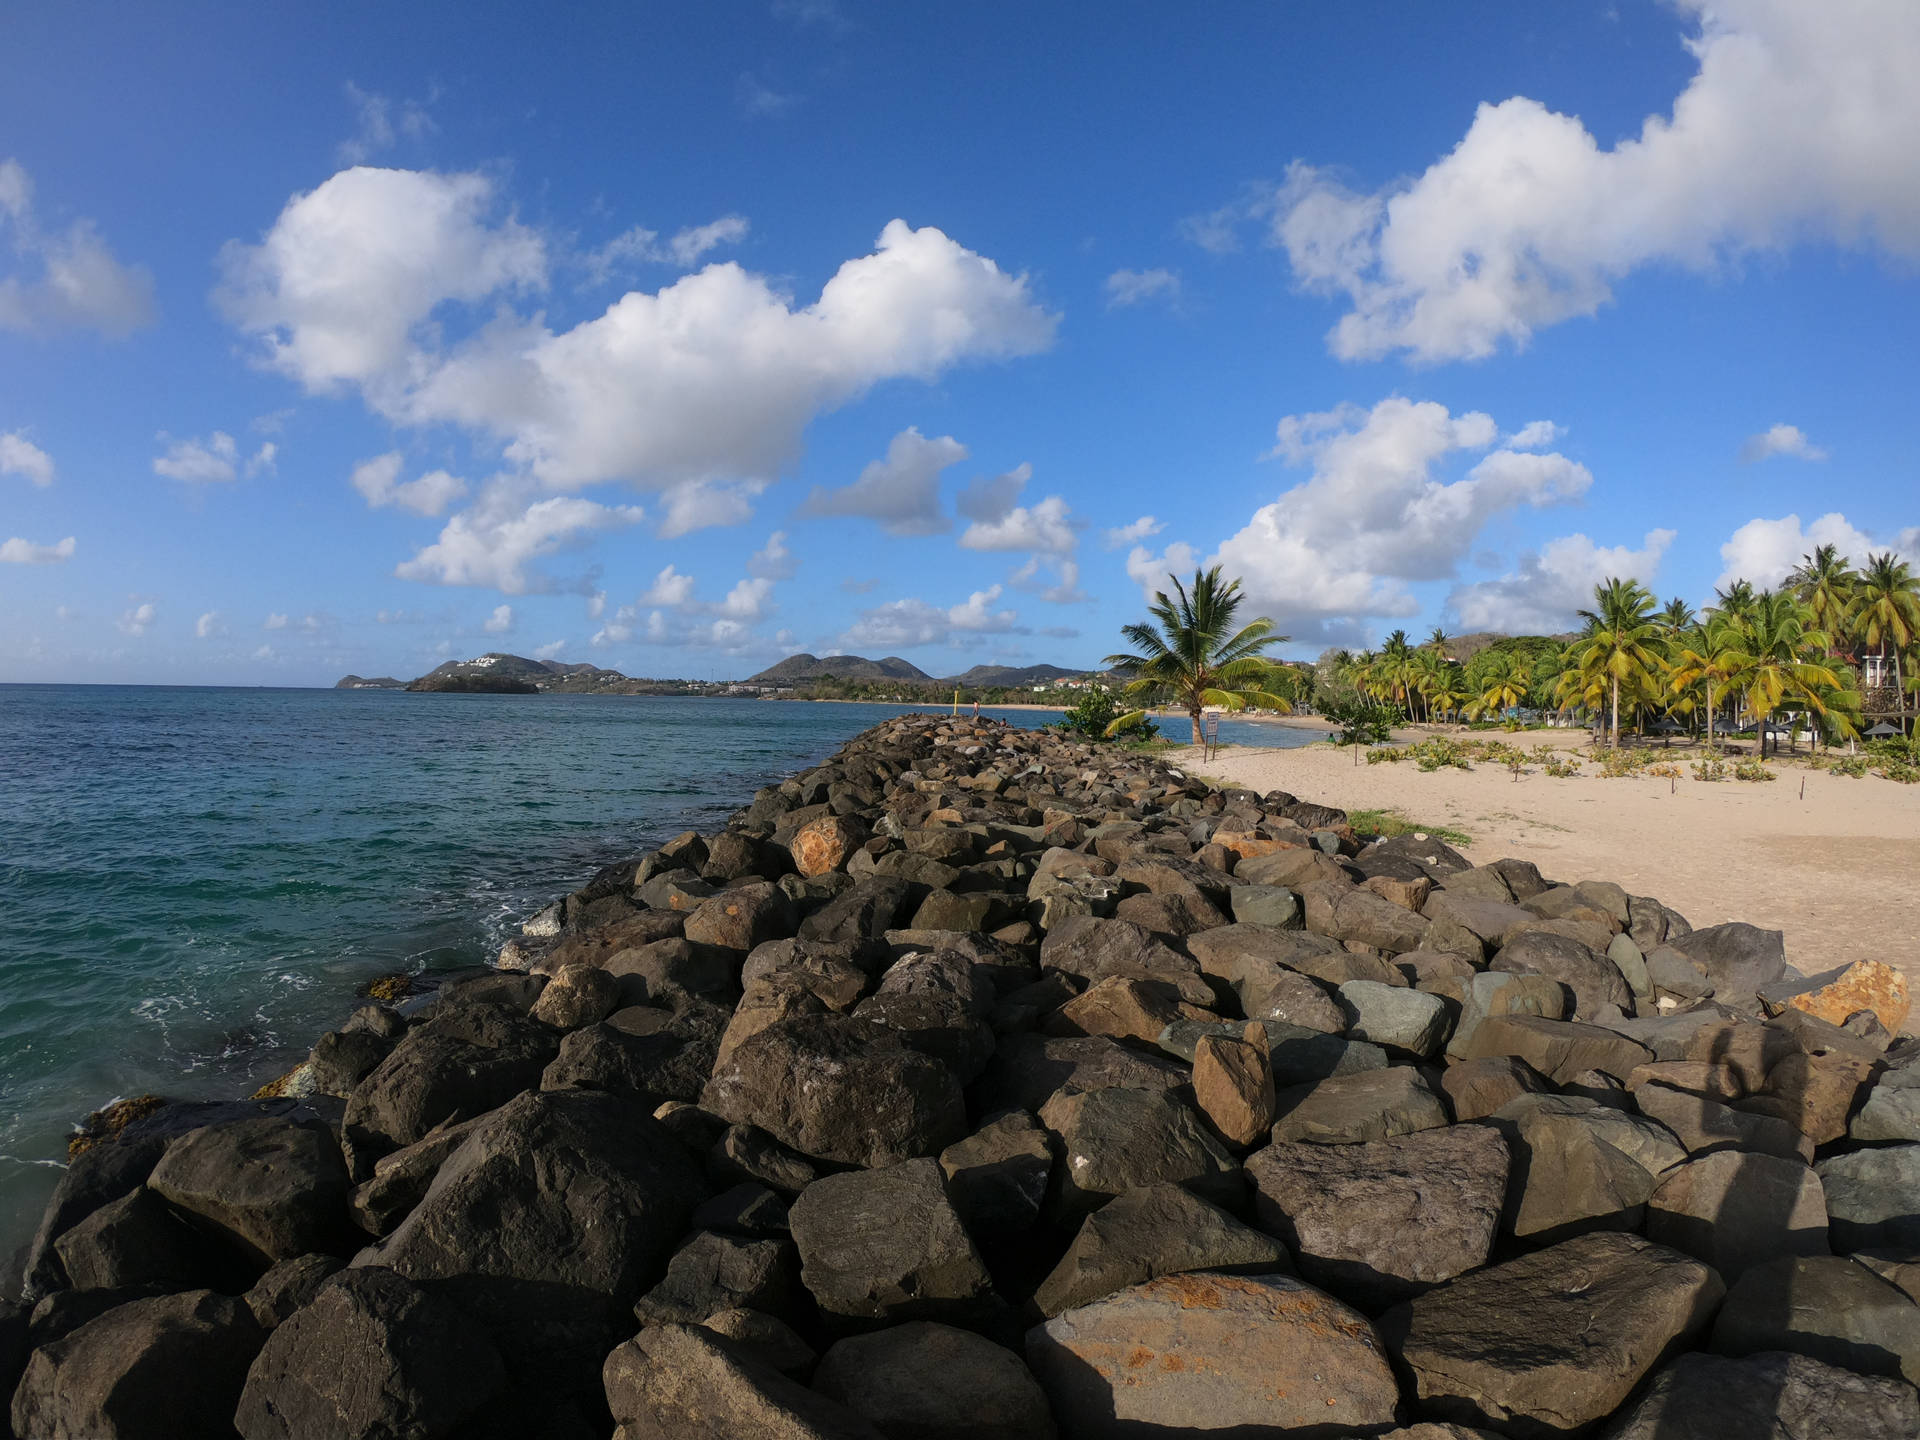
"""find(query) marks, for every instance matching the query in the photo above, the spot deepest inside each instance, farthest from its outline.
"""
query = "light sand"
(1837, 870)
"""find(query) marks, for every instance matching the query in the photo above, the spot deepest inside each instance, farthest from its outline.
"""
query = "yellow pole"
(956, 703)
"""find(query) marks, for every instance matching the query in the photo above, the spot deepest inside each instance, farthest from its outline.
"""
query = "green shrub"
(1752, 770)
(1094, 711)
(1710, 769)
(1361, 722)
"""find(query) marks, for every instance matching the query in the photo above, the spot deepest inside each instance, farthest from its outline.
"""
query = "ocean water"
(195, 881)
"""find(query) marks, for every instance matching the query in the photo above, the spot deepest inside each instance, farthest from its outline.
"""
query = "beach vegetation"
(1385, 824)
(1360, 721)
(1197, 658)
(1093, 716)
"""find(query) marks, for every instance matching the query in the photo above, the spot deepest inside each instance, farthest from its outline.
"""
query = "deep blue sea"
(193, 882)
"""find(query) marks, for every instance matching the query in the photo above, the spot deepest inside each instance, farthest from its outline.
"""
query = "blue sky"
(678, 337)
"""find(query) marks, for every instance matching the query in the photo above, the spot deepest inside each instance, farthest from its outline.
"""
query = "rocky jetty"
(980, 1083)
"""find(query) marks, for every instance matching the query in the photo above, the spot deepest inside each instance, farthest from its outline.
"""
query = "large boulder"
(1244, 1355)
(1027, 1070)
(466, 1060)
(1593, 979)
(1096, 949)
(1737, 959)
(1873, 1198)
(997, 1178)
(1396, 1017)
(373, 1354)
(842, 1089)
(275, 1188)
(1114, 1139)
(1558, 1049)
(713, 1272)
(1379, 1221)
(1824, 1306)
(743, 916)
(1364, 1105)
(1735, 1211)
(887, 1245)
(1579, 1165)
(547, 1223)
(933, 1382)
(669, 1057)
(1770, 1396)
(684, 1382)
(1151, 1231)
(1243, 955)
(120, 1376)
(136, 1240)
(1555, 1340)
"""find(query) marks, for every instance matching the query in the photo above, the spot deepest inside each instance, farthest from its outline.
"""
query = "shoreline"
(753, 1108)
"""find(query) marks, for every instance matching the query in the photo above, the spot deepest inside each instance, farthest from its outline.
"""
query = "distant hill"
(491, 666)
(362, 682)
(503, 674)
(796, 668)
(1009, 675)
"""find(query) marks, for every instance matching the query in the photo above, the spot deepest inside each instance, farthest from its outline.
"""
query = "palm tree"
(1704, 658)
(1619, 646)
(1770, 665)
(1197, 655)
(1505, 686)
(1824, 582)
(1736, 599)
(1886, 614)
(1678, 617)
(1438, 640)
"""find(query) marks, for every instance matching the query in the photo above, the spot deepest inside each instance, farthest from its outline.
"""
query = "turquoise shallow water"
(194, 881)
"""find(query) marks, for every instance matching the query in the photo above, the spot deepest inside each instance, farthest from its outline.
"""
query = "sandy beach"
(1837, 869)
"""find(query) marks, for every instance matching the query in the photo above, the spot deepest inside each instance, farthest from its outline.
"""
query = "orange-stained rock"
(1407, 894)
(1863, 985)
(1124, 1009)
(1233, 1083)
(1186, 1354)
(1247, 845)
(825, 844)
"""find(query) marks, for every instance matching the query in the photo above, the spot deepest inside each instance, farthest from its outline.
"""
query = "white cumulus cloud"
(552, 650)
(773, 561)
(1796, 127)
(494, 543)
(1122, 536)
(378, 480)
(381, 123)
(136, 620)
(20, 456)
(1373, 516)
(208, 626)
(1764, 551)
(1048, 526)
(500, 621)
(67, 279)
(1780, 440)
(24, 552)
(1543, 593)
(213, 461)
(900, 624)
(670, 589)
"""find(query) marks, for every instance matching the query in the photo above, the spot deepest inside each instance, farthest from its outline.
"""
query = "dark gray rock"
(886, 1245)
(748, 1209)
(842, 1089)
(1553, 1341)
(1153, 1230)
(341, 1059)
(1366, 1105)
(1396, 1017)
(1477, 1088)
(1027, 1070)
(1097, 949)
(118, 1377)
(136, 1240)
(924, 1381)
(457, 1065)
(1579, 1165)
(1826, 1307)
(997, 1178)
(290, 1286)
(273, 1188)
(400, 1180)
(683, 1382)
(1772, 1396)
(371, 1355)
(713, 1272)
(1873, 1198)
(1737, 959)
(1594, 980)
(872, 907)
(1380, 1221)
(1112, 1140)
(747, 1154)
(671, 1062)
(1735, 1210)
(547, 1223)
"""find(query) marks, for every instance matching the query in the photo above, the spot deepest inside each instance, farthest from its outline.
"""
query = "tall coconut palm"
(1505, 686)
(1824, 583)
(1704, 657)
(1677, 618)
(1735, 599)
(1771, 665)
(1620, 646)
(1197, 655)
(1886, 614)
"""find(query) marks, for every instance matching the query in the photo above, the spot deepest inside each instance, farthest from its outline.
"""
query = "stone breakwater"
(981, 1083)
